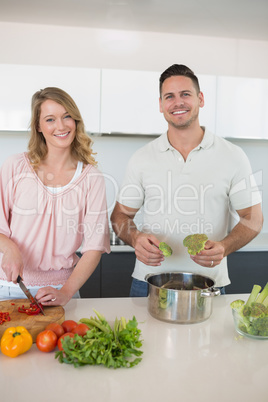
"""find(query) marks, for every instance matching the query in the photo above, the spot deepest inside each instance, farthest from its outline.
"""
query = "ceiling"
(244, 19)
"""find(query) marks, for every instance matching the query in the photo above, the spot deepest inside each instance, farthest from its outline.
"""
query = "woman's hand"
(12, 263)
(49, 296)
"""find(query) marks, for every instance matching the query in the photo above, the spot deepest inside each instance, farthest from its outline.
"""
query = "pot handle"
(210, 292)
(147, 277)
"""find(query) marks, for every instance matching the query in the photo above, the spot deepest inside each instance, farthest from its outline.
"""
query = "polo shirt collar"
(164, 144)
(207, 141)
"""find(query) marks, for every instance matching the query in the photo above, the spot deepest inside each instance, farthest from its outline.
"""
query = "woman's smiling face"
(56, 125)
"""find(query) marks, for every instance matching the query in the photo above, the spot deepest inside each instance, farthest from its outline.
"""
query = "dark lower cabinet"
(112, 277)
(92, 286)
(246, 269)
(116, 271)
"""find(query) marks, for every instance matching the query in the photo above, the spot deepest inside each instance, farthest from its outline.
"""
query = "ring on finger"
(212, 263)
(53, 299)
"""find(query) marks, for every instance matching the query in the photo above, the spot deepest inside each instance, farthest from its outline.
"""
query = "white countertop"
(122, 248)
(195, 362)
(260, 243)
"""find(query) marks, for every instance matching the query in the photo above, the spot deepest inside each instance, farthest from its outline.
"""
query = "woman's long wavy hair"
(81, 147)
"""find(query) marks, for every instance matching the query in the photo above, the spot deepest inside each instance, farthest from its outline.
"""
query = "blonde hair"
(81, 147)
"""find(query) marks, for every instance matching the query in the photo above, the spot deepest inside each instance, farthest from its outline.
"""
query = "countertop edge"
(260, 243)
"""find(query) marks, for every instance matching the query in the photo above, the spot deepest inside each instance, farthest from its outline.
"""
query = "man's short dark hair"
(178, 69)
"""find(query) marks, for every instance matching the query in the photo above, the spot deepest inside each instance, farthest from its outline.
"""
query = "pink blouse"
(49, 228)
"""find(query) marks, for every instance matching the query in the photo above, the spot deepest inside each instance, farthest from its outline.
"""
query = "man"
(186, 181)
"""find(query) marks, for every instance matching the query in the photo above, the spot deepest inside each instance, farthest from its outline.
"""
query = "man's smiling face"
(180, 101)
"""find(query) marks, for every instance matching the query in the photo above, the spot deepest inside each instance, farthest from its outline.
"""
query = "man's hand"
(145, 245)
(211, 256)
(146, 249)
(250, 224)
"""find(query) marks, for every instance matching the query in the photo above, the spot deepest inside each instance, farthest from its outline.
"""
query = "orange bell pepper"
(15, 341)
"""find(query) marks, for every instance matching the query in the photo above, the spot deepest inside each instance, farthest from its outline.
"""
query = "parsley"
(112, 347)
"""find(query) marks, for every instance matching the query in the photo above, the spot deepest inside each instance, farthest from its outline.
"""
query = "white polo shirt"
(178, 198)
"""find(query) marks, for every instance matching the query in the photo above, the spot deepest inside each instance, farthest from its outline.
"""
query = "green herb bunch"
(112, 347)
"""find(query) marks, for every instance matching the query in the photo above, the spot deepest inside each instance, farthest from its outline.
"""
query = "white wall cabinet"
(19, 82)
(130, 102)
(125, 101)
(242, 107)
(207, 114)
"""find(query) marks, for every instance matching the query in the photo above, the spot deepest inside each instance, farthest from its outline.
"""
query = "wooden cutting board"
(33, 323)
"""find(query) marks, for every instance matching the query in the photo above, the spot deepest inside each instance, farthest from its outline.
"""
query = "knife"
(29, 295)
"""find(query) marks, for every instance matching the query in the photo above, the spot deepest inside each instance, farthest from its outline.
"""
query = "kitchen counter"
(259, 243)
(122, 248)
(204, 361)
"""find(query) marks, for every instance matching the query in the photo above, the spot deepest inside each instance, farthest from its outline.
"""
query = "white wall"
(112, 156)
(113, 153)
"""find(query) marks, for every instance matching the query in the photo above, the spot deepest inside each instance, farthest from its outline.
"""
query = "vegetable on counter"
(54, 333)
(195, 243)
(68, 325)
(33, 309)
(112, 347)
(57, 328)
(69, 334)
(81, 329)
(166, 249)
(16, 341)
(4, 317)
(253, 313)
(46, 341)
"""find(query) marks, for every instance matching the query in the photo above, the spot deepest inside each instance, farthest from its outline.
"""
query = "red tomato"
(68, 325)
(70, 334)
(57, 328)
(80, 329)
(46, 340)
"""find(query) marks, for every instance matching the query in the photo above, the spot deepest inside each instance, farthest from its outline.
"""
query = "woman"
(52, 202)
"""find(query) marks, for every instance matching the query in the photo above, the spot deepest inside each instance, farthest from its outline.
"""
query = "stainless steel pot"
(180, 297)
